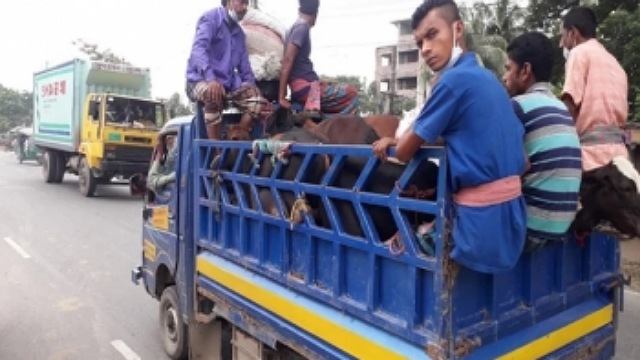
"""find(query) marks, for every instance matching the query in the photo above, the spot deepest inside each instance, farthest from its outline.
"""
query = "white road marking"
(17, 248)
(631, 292)
(124, 350)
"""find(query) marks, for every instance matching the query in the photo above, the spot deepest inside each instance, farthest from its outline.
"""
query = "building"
(397, 65)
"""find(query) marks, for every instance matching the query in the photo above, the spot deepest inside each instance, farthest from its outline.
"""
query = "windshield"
(133, 113)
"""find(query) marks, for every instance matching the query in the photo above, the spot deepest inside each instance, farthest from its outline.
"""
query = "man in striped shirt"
(551, 184)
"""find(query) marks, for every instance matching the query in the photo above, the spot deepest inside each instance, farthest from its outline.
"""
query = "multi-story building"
(397, 65)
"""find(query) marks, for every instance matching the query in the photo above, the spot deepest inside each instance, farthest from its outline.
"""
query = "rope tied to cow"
(279, 151)
(300, 206)
(414, 192)
(395, 244)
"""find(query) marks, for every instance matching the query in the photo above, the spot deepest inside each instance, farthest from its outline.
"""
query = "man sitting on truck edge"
(219, 69)
(551, 186)
(595, 90)
(297, 72)
(472, 112)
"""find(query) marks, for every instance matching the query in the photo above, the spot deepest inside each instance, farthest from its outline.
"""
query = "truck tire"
(50, 166)
(61, 163)
(173, 330)
(86, 181)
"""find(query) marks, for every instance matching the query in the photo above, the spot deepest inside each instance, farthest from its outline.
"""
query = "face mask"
(233, 15)
(456, 52)
(565, 53)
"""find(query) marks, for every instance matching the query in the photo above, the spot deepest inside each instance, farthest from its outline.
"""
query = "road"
(64, 280)
(65, 287)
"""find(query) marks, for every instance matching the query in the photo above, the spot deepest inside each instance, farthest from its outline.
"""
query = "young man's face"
(514, 78)
(434, 38)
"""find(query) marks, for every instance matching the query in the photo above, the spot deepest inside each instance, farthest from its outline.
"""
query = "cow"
(354, 130)
(610, 193)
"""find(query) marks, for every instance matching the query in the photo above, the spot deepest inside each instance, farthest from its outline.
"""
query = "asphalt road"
(64, 275)
(64, 280)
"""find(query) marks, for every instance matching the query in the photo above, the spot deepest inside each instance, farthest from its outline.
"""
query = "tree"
(16, 108)
(490, 28)
(545, 14)
(97, 54)
(619, 34)
(175, 107)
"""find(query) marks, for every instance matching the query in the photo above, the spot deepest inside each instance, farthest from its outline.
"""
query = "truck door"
(160, 213)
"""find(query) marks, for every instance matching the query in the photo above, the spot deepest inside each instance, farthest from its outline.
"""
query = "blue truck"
(234, 282)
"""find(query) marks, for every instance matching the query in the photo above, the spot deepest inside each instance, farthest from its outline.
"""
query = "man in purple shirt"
(297, 71)
(218, 69)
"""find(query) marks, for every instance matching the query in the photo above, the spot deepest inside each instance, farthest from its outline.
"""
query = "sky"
(157, 34)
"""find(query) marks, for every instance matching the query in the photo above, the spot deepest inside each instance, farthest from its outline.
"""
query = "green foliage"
(16, 108)
(97, 54)
(175, 106)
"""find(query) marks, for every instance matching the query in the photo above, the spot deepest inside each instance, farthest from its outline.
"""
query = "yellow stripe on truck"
(563, 336)
(351, 343)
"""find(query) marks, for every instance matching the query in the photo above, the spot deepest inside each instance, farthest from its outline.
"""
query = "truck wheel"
(86, 180)
(49, 166)
(61, 167)
(172, 329)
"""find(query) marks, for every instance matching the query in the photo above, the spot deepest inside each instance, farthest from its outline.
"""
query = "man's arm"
(575, 82)
(287, 63)
(201, 45)
(571, 106)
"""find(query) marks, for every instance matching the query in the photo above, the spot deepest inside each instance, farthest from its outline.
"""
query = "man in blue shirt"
(551, 185)
(219, 68)
(470, 109)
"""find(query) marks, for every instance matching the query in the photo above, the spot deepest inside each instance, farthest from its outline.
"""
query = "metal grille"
(131, 153)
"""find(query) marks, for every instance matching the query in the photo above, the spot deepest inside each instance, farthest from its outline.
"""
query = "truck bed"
(339, 296)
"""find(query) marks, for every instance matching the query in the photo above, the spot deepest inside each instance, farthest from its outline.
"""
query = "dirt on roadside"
(630, 253)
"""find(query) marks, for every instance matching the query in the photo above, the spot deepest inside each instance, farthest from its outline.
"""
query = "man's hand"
(214, 93)
(381, 147)
(285, 103)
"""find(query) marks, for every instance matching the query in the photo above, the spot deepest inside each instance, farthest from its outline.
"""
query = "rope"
(301, 205)
(395, 244)
(414, 192)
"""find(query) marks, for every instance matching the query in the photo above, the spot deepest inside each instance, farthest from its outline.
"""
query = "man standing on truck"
(297, 72)
(472, 112)
(551, 185)
(595, 90)
(219, 68)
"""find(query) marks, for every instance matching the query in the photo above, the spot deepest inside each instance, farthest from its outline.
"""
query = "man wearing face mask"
(218, 68)
(470, 109)
(595, 90)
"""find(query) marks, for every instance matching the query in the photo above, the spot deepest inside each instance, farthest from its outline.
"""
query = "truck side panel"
(426, 302)
(60, 94)
(57, 101)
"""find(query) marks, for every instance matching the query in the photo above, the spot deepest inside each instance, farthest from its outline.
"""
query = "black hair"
(449, 8)
(583, 19)
(536, 49)
(224, 3)
(309, 7)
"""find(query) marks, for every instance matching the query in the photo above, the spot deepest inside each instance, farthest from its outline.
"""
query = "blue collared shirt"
(473, 113)
(219, 52)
